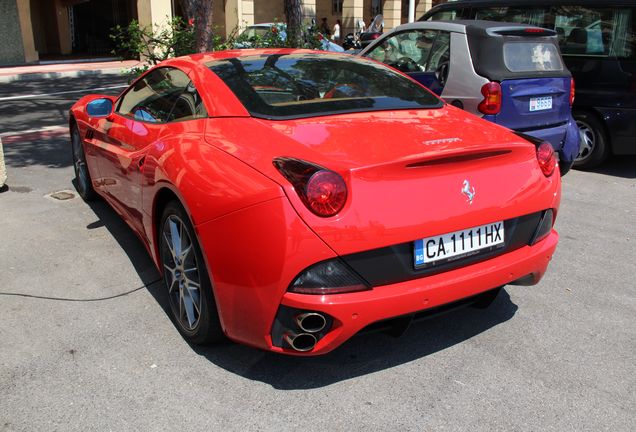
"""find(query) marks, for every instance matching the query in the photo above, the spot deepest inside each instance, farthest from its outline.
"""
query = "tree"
(199, 13)
(294, 24)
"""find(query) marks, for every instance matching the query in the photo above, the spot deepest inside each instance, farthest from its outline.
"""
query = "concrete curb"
(63, 74)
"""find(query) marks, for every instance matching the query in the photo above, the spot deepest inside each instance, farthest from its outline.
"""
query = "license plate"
(458, 244)
(541, 103)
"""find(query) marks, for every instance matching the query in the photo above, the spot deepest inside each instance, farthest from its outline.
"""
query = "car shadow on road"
(618, 166)
(363, 354)
(131, 245)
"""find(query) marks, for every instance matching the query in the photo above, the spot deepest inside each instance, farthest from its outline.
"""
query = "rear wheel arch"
(185, 274)
(163, 197)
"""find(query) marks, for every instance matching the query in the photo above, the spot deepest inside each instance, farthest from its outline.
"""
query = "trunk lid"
(404, 170)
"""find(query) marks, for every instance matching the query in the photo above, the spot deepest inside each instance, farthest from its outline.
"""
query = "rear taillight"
(546, 158)
(492, 99)
(328, 277)
(324, 192)
(375, 36)
(571, 91)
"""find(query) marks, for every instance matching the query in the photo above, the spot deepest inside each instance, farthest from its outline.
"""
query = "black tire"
(192, 305)
(83, 181)
(594, 147)
(484, 300)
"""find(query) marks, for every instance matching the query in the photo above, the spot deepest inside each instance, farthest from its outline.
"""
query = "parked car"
(509, 74)
(249, 35)
(293, 198)
(597, 43)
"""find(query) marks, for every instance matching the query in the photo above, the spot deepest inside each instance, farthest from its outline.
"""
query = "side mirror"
(100, 107)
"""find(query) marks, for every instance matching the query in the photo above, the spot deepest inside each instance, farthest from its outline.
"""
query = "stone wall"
(11, 48)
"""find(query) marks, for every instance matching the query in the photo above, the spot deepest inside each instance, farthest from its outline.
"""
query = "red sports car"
(293, 198)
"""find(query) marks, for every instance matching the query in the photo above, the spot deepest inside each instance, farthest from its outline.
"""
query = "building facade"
(39, 30)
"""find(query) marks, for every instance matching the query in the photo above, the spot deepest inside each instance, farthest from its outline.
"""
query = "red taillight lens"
(571, 91)
(324, 192)
(375, 35)
(492, 99)
(546, 158)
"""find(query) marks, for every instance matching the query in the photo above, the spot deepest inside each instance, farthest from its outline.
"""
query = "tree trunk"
(294, 24)
(200, 11)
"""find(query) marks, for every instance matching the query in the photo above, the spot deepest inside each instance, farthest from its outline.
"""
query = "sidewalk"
(59, 70)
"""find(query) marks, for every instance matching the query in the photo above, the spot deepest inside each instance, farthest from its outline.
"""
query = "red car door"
(102, 136)
(143, 113)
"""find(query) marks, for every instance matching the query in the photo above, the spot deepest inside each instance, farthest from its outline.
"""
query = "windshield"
(279, 86)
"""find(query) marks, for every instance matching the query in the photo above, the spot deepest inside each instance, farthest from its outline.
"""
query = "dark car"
(509, 74)
(597, 41)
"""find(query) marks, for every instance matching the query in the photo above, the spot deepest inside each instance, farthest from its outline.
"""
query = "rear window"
(531, 57)
(279, 86)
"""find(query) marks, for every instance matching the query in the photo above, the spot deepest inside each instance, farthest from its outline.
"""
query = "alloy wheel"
(181, 273)
(588, 141)
(79, 162)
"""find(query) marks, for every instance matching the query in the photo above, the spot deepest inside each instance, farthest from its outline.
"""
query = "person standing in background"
(336, 32)
(324, 28)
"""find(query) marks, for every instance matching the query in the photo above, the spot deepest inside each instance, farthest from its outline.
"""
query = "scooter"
(350, 42)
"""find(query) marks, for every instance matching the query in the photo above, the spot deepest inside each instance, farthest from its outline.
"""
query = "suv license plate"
(541, 103)
(458, 243)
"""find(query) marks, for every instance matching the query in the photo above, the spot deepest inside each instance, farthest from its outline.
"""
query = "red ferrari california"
(294, 198)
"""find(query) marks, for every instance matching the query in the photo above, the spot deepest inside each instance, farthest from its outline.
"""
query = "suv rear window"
(280, 86)
(531, 57)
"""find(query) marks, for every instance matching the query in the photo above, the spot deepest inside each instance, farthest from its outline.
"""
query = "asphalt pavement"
(559, 356)
(34, 104)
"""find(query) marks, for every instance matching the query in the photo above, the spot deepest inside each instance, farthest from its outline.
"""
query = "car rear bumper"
(352, 312)
(564, 138)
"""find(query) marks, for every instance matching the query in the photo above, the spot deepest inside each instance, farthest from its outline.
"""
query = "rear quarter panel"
(208, 182)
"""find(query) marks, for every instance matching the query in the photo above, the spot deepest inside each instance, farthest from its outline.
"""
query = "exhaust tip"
(311, 322)
(301, 342)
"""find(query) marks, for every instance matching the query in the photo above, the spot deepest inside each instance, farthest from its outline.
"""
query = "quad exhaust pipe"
(311, 322)
(301, 342)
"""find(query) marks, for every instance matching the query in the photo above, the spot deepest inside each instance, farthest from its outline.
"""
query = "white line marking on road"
(31, 96)
(44, 129)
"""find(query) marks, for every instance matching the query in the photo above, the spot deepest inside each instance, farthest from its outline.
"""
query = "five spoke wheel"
(181, 273)
(186, 278)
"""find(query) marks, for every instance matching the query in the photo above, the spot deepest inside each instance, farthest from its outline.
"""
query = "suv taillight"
(492, 99)
(323, 191)
(571, 91)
